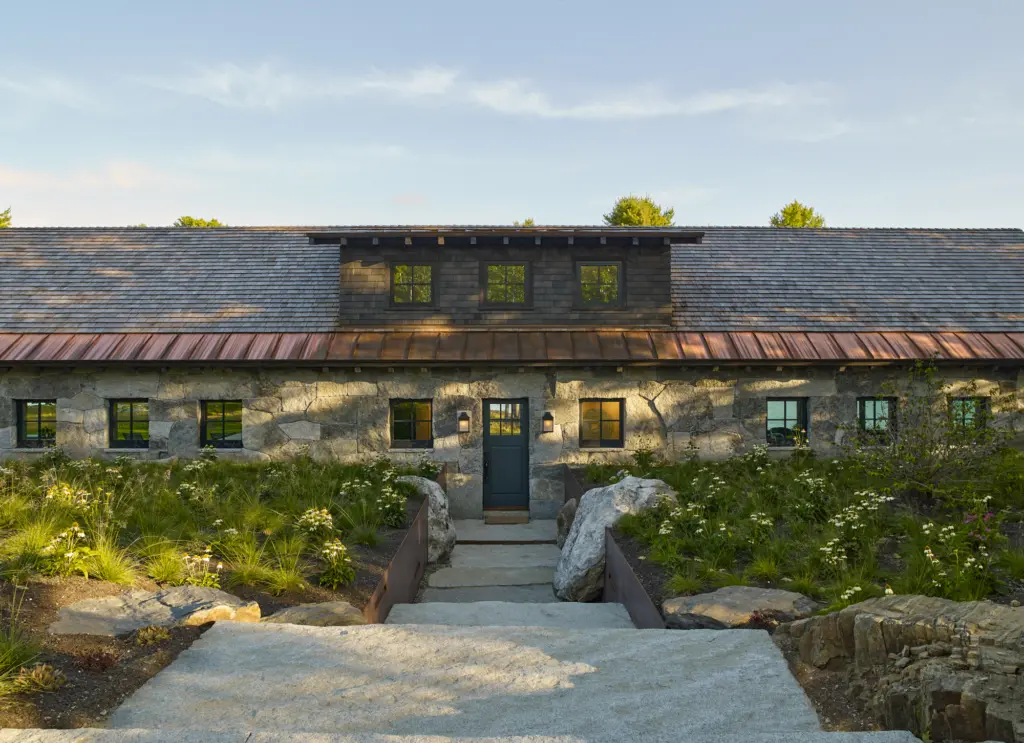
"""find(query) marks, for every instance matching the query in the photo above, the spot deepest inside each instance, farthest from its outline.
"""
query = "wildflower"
(888, 590)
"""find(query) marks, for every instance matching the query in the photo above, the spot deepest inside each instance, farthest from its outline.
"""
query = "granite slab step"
(475, 531)
(591, 685)
(542, 593)
(504, 556)
(507, 614)
(96, 735)
(461, 577)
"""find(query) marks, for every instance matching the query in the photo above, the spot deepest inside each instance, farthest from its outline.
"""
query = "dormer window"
(599, 283)
(506, 284)
(412, 284)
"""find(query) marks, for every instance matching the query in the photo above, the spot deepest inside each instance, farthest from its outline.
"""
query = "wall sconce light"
(547, 423)
(463, 422)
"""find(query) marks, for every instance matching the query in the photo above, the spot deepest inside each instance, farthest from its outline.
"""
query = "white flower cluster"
(335, 551)
(812, 483)
(833, 553)
(849, 593)
(196, 466)
(316, 519)
(67, 540)
(762, 519)
(851, 516)
(195, 493)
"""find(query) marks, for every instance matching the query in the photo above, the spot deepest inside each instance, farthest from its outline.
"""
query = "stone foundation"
(345, 414)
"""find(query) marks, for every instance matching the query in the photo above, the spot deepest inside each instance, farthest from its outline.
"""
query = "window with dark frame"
(969, 412)
(412, 424)
(786, 421)
(37, 423)
(221, 424)
(129, 424)
(601, 424)
(600, 284)
(505, 284)
(412, 284)
(876, 415)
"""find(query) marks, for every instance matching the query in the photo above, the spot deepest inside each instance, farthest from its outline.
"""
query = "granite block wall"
(346, 414)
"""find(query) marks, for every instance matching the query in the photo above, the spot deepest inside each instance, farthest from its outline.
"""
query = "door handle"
(487, 468)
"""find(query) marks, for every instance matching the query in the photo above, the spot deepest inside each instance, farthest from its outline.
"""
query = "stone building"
(504, 352)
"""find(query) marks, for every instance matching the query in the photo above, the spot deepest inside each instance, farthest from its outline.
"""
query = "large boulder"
(579, 575)
(182, 605)
(943, 668)
(440, 527)
(563, 523)
(327, 614)
(736, 606)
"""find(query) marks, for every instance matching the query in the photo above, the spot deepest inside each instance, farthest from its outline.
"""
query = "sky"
(906, 113)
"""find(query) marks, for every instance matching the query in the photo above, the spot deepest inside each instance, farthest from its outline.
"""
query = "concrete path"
(475, 682)
(509, 614)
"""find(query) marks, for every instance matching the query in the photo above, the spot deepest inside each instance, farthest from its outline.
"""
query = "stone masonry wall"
(345, 414)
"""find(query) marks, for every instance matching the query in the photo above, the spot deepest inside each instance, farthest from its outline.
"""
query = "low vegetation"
(929, 508)
(273, 526)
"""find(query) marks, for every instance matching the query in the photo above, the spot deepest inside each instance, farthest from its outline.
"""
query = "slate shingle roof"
(152, 280)
(251, 280)
(758, 278)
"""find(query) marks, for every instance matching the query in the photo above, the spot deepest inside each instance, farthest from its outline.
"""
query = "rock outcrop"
(440, 527)
(563, 523)
(940, 668)
(327, 614)
(736, 606)
(182, 605)
(579, 575)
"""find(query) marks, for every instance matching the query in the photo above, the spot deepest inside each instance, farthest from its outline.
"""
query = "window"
(221, 424)
(37, 423)
(129, 424)
(876, 415)
(412, 424)
(787, 421)
(505, 284)
(600, 284)
(969, 412)
(601, 424)
(412, 284)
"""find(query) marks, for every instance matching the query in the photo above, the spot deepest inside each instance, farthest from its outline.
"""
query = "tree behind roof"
(638, 211)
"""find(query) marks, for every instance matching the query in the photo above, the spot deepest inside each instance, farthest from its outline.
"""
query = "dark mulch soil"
(102, 671)
(829, 691)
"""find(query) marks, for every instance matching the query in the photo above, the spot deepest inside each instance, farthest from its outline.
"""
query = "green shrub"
(152, 636)
(112, 563)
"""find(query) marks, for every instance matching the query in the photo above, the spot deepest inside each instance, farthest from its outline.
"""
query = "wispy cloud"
(265, 86)
(517, 97)
(46, 89)
(116, 175)
(268, 87)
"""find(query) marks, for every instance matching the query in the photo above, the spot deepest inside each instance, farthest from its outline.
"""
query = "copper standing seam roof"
(505, 347)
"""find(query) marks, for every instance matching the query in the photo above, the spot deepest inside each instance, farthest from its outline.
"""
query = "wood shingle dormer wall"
(459, 265)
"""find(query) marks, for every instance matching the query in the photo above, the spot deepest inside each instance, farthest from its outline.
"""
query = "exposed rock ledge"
(940, 668)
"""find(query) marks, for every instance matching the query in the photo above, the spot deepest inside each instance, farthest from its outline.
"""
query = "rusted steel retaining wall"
(621, 586)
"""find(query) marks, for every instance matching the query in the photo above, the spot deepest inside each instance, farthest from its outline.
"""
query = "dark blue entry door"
(506, 454)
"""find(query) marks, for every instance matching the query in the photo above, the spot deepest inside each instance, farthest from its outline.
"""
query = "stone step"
(542, 593)
(460, 577)
(96, 735)
(508, 614)
(504, 556)
(475, 531)
(476, 683)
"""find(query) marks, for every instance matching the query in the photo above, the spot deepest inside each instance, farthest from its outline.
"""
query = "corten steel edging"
(621, 586)
(401, 581)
